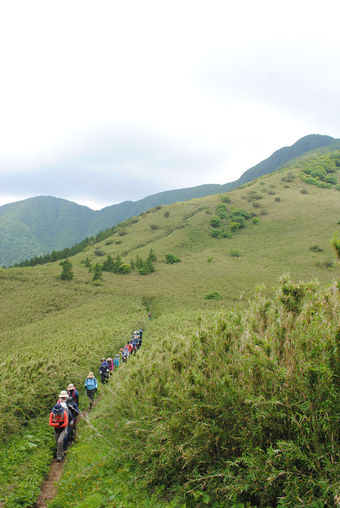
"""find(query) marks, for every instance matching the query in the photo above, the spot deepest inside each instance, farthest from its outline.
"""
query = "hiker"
(110, 364)
(125, 355)
(74, 412)
(63, 401)
(116, 360)
(59, 420)
(73, 392)
(91, 387)
(129, 347)
(150, 315)
(104, 371)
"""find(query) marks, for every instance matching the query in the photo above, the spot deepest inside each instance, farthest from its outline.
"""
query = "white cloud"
(192, 92)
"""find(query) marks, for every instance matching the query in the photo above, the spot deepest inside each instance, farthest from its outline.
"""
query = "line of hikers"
(63, 415)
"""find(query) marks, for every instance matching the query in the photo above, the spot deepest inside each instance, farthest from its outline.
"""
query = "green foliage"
(225, 199)
(321, 171)
(67, 273)
(171, 259)
(236, 408)
(214, 295)
(291, 295)
(152, 256)
(316, 248)
(97, 273)
(215, 221)
(234, 253)
(154, 227)
(255, 220)
(125, 268)
(166, 214)
(336, 244)
(147, 267)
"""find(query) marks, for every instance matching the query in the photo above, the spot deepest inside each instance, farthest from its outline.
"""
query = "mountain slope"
(54, 332)
(39, 225)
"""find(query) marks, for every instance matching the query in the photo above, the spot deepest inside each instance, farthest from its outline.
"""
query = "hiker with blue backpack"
(91, 387)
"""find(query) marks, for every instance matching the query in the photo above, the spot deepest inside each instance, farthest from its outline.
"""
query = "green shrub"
(125, 268)
(234, 253)
(215, 222)
(225, 199)
(108, 242)
(215, 295)
(316, 248)
(97, 273)
(171, 259)
(336, 244)
(154, 227)
(277, 199)
(255, 220)
(234, 226)
(331, 179)
(166, 214)
(99, 252)
(123, 232)
(67, 273)
(147, 267)
(303, 191)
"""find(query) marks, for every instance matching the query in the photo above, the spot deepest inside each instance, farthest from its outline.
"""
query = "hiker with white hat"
(91, 387)
(73, 392)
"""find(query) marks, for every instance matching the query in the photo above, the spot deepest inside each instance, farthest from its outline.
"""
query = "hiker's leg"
(60, 445)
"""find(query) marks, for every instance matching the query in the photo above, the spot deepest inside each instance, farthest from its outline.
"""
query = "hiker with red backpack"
(59, 420)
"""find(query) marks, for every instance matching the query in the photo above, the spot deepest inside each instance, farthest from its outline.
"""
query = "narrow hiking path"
(49, 486)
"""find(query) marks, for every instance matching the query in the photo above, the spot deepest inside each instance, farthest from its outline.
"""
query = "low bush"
(316, 248)
(215, 295)
(171, 259)
(234, 253)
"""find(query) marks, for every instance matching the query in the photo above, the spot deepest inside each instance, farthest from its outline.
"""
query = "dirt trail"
(49, 487)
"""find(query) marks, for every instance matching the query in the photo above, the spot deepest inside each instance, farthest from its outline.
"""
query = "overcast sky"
(104, 101)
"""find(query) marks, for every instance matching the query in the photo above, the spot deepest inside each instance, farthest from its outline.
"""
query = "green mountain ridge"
(39, 225)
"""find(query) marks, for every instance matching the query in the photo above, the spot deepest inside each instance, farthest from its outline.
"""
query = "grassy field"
(53, 332)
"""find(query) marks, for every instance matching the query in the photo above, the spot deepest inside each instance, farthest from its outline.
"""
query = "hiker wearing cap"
(64, 400)
(59, 420)
(116, 360)
(73, 392)
(91, 387)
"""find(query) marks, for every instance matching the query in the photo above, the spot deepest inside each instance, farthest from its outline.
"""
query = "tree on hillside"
(67, 273)
(97, 273)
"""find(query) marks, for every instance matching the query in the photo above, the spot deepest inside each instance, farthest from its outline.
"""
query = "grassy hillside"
(53, 332)
(39, 225)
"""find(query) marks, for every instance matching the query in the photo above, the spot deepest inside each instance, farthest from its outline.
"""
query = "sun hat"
(63, 394)
(71, 387)
(109, 359)
(90, 374)
(57, 409)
